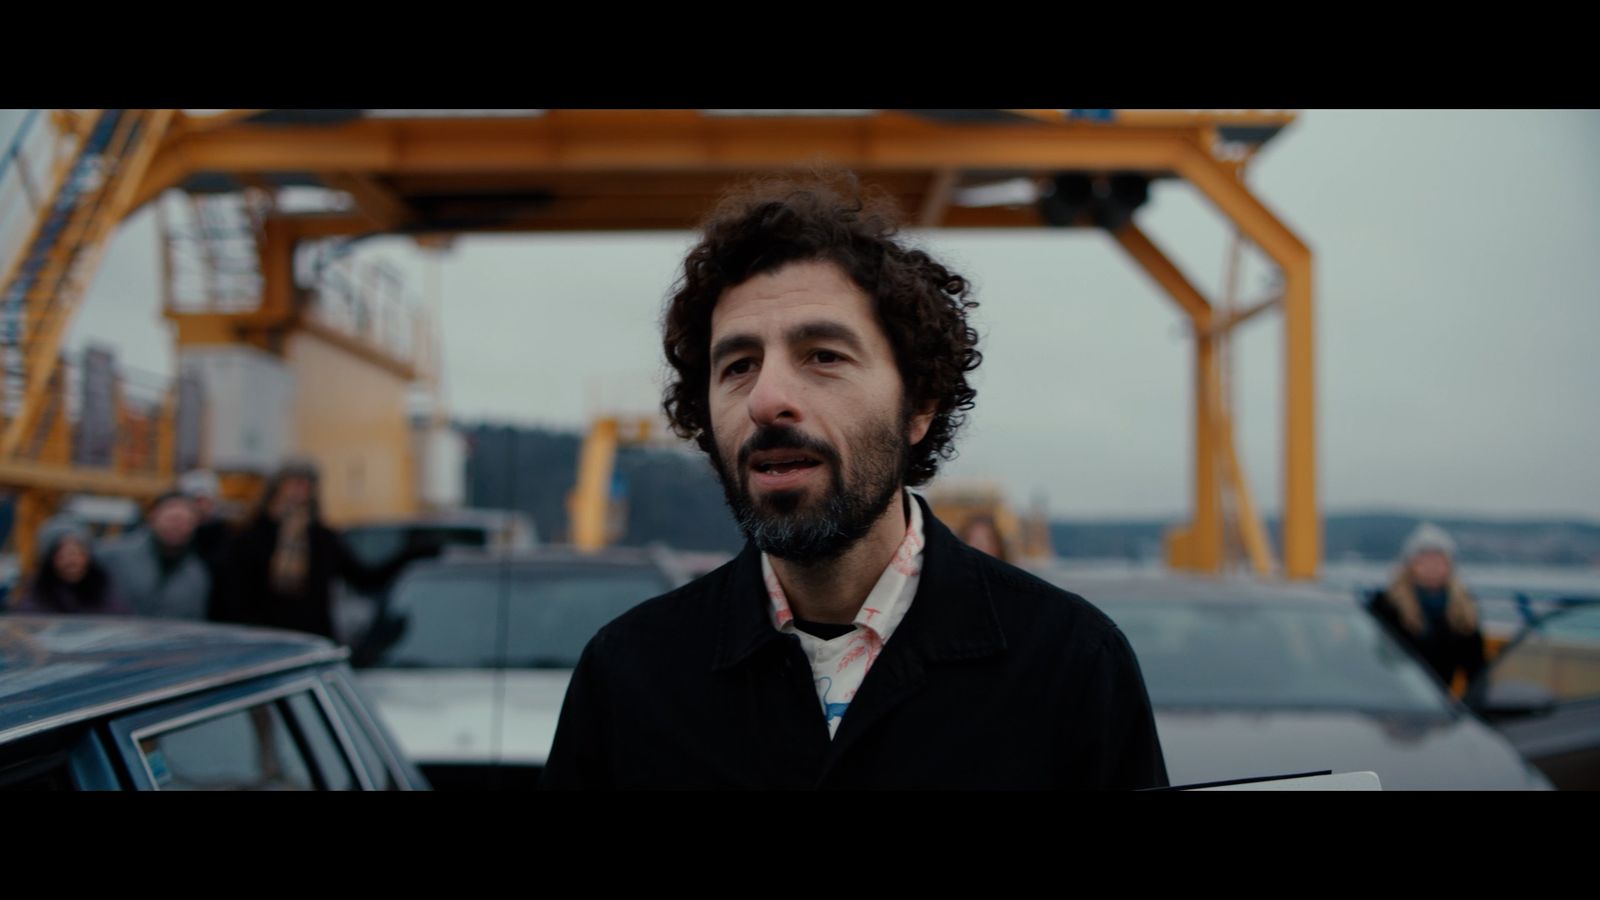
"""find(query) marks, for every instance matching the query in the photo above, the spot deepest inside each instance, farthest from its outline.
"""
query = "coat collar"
(951, 617)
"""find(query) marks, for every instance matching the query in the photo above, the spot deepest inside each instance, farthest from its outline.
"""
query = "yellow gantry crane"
(431, 174)
(61, 216)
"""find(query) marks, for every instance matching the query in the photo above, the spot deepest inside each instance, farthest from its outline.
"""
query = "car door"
(1543, 693)
(388, 769)
(554, 609)
(434, 679)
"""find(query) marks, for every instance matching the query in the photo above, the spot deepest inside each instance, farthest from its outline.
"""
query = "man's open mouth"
(780, 463)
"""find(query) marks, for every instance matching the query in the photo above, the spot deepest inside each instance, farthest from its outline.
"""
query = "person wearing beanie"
(202, 487)
(1429, 610)
(67, 578)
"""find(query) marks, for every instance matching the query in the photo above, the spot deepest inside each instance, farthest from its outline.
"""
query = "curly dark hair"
(921, 305)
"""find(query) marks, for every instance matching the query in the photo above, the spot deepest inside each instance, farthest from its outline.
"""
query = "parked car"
(490, 529)
(471, 666)
(1251, 679)
(100, 703)
(377, 542)
(1543, 693)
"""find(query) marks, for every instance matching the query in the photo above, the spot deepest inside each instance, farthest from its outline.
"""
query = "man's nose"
(775, 398)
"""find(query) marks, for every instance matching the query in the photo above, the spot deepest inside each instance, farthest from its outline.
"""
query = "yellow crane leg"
(1302, 529)
(1200, 545)
(1251, 532)
(589, 501)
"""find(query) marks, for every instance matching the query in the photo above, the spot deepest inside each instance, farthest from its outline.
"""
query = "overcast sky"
(1457, 263)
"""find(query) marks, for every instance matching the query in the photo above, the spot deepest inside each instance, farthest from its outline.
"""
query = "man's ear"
(922, 421)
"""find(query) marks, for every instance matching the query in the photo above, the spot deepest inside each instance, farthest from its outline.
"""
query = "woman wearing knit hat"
(1427, 607)
(67, 577)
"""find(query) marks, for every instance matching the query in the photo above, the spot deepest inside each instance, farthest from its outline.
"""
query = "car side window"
(446, 620)
(322, 744)
(553, 614)
(371, 759)
(250, 749)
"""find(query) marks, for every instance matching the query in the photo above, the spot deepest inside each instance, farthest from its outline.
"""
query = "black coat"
(246, 595)
(993, 680)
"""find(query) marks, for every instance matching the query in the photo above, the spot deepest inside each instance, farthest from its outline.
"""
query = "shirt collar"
(885, 603)
(953, 617)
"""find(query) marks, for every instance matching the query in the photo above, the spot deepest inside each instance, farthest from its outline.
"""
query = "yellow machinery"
(67, 178)
(430, 174)
(596, 519)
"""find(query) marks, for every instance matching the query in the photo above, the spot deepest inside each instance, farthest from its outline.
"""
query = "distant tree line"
(1361, 536)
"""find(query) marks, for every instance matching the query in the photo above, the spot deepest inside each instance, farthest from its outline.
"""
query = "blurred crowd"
(276, 565)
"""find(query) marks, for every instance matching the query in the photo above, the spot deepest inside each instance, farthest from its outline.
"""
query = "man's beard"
(785, 524)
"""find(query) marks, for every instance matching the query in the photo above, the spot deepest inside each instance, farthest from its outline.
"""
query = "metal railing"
(104, 417)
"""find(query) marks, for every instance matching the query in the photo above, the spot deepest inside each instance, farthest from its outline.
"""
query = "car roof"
(57, 670)
(1147, 586)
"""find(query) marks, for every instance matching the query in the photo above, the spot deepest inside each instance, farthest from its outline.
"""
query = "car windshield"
(1242, 656)
(517, 615)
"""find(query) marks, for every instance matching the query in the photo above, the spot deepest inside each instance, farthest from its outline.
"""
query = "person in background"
(210, 536)
(1429, 610)
(981, 533)
(67, 578)
(156, 568)
(279, 569)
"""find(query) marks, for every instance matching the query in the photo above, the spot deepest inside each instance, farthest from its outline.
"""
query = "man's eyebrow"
(734, 343)
(799, 334)
(827, 331)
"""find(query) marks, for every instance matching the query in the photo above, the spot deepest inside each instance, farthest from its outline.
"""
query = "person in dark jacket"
(854, 643)
(1429, 609)
(67, 577)
(279, 569)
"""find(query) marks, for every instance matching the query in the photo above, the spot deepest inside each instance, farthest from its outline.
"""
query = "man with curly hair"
(821, 363)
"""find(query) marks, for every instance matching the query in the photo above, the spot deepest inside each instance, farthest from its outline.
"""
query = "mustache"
(770, 437)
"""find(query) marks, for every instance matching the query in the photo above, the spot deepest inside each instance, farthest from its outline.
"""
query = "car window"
(250, 749)
(451, 615)
(355, 727)
(554, 614)
(446, 621)
(375, 545)
(1561, 655)
(323, 745)
(1247, 656)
